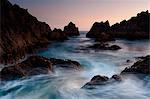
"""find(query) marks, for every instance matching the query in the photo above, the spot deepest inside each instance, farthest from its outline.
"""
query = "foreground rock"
(104, 46)
(36, 65)
(71, 30)
(102, 80)
(141, 66)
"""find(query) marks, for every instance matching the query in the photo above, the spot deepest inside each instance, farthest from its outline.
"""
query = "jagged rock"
(20, 32)
(135, 28)
(71, 30)
(141, 66)
(101, 80)
(36, 65)
(99, 31)
(58, 35)
(104, 46)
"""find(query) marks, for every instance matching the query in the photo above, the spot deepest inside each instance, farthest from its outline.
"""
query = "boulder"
(71, 30)
(36, 65)
(66, 64)
(102, 80)
(141, 66)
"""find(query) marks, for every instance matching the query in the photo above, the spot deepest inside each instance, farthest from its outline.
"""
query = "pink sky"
(58, 13)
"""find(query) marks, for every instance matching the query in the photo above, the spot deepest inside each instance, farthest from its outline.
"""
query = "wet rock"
(104, 46)
(66, 64)
(58, 35)
(114, 47)
(116, 77)
(36, 65)
(141, 66)
(71, 30)
(101, 80)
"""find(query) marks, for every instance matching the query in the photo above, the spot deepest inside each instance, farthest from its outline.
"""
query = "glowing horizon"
(58, 13)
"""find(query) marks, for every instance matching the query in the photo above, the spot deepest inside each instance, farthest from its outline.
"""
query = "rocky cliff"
(20, 32)
(134, 28)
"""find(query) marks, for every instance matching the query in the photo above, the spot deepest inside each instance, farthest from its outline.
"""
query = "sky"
(58, 13)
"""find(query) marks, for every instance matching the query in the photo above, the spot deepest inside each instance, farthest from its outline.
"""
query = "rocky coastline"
(22, 33)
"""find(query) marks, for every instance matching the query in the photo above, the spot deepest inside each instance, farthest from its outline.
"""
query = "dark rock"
(67, 64)
(116, 77)
(20, 32)
(58, 35)
(135, 28)
(99, 31)
(141, 66)
(114, 47)
(104, 37)
(71, 30)
(104, 46)
(36, 65)
(102, 80)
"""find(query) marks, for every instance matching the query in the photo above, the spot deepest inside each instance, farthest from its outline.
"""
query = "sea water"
(65, 84)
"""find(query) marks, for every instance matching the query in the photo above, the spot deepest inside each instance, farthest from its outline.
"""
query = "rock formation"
(135, 28)
(141, 66)
(99, 31)
(58, 35)
(102, 80)
(71, 30)
(20, 32)
(36, 65)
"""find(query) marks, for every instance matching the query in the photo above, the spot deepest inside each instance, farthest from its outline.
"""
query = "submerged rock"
(102, 80)
(71, 30)
(141, 66)
(104, 46)
(36, 65)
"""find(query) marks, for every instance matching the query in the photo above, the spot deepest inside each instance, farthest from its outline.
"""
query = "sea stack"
(99, 31)
(71, 29)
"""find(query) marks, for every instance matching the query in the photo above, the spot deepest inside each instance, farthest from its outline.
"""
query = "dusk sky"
(58, 13)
